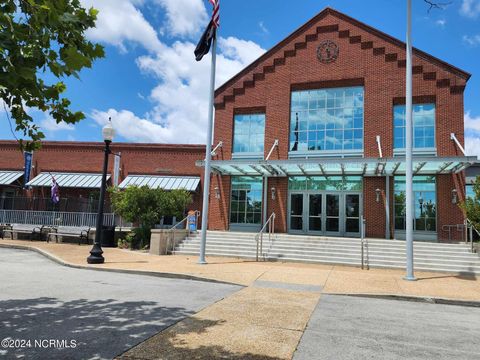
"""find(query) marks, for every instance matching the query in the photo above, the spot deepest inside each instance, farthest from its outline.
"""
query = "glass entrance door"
(332, 221)
(352, 213)
(325, 213)
(296, 212)
(315, 213)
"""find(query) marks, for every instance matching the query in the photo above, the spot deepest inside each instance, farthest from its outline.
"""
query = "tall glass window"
(327, 119)
(249, 134)
(246, 200)
(423, 126)
(425, 203)
(331, 183)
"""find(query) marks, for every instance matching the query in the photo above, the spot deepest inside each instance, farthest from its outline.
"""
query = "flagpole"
(408, 151)
(208, 155)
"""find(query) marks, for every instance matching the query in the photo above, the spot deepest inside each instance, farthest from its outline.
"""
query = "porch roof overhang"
(9, 177)
(188, 183)
(68, 180)
(346, 166)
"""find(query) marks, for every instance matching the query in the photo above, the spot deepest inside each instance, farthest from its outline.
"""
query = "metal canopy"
(8, 177)
(68, 180)
(346, 166)
(188, 183)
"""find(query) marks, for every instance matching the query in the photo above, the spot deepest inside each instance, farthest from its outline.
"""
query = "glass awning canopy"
(346, 166)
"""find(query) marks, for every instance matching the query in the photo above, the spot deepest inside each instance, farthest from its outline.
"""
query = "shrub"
(145, 207)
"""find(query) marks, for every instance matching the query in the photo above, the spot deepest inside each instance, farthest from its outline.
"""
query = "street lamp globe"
(108, 132)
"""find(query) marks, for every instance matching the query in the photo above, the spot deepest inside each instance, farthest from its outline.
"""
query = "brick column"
(219, 209)
(374, 211)
(447, 212)
(279, 205)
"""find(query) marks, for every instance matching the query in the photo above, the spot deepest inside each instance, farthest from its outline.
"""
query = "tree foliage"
(40, 40)
(146, 206)
(471, 206)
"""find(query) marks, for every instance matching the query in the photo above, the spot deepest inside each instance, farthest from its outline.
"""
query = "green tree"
(471, 206)
(145, 207)
(40, 40)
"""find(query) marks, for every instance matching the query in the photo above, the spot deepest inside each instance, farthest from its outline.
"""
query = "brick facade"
(86, 157)
(366, 57)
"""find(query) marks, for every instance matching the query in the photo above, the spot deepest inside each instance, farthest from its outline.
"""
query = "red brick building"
(77, 167)
(314, 130)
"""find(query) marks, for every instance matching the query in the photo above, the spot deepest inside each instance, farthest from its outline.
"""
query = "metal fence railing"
(65, 204)
(54, 218)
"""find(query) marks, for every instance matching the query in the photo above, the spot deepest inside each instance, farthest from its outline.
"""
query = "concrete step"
(342, 251)
(343, 247)
(373, 253)
(346, 241)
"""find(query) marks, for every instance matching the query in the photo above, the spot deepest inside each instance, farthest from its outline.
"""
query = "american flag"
(216, 12)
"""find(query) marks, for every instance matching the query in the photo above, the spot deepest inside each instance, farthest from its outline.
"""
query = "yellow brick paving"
(256, 322)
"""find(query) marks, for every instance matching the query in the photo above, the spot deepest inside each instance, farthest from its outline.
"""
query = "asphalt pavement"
(48, 311)
(356, 328)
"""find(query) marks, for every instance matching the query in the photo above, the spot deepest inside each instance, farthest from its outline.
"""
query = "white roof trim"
(9, 177)
(68, 180)
(189, 183)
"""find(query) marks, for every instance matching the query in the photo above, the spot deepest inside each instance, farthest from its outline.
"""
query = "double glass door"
(325, 213)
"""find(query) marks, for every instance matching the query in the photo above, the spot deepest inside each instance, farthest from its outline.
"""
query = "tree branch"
(437, 5)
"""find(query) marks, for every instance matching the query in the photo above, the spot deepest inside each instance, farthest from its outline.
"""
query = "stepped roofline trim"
(330, 11)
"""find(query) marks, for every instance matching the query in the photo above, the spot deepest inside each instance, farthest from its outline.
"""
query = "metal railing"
(171, 232)
(364, 245)
(270, 225)
(65, 204)
(466, 229)
(53, 218)
(469, 229)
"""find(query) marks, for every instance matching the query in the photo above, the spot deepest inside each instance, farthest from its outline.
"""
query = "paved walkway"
(266, 319)
(97, 314)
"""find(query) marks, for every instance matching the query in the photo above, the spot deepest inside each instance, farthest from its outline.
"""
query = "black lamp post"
(96, 253)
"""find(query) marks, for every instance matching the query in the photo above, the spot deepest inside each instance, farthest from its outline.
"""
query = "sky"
(155, 91)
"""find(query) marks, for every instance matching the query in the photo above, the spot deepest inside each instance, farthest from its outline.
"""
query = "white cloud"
(262, 27)
(441, 22)
(181, 97)
(184, 17)
(49, 124)
(471, 40)
(120, 21)
(131, 127)
(471, 123)
(470, 8)
(472, 134)
(241, 50)
(472, 145)
(180, 100)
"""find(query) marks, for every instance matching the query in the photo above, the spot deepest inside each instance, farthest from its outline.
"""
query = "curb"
(421, 299)
(120, 271)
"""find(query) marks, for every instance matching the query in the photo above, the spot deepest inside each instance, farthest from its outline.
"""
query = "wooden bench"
(34, 231)
(81, 233)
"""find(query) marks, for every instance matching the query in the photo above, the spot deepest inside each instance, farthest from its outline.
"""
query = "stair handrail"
(470, 227)
(270, 223)
(171, 231)
(363, 244)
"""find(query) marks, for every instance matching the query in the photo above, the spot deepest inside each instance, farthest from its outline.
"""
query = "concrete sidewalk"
(333, 279)
(267, 318)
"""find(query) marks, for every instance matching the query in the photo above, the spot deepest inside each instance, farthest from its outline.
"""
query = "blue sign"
(192, 221)
(28, 168)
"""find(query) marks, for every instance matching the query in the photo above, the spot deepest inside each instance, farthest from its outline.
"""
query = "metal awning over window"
(346, 166)
(9, 177)
(68, 180)
(188, 183)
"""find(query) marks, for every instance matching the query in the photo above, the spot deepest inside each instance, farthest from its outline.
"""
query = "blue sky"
(151, 86)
